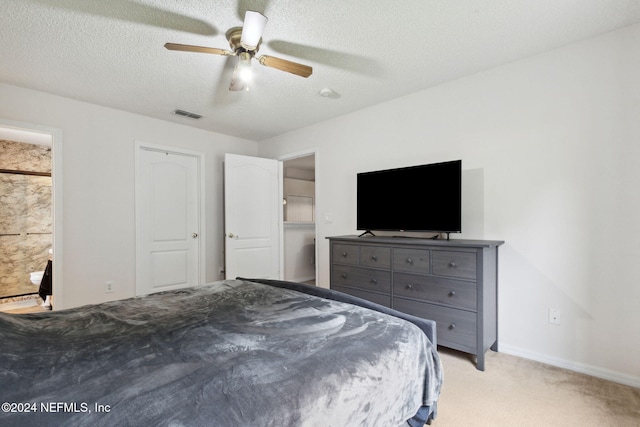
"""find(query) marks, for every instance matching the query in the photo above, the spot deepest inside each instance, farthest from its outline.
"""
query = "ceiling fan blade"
(222, 97)
(199, 49)
(345, 60)
(252, 29)
(136, 13)
(284, 65)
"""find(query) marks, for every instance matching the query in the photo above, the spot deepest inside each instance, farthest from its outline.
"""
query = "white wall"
(299, 252)
(299, 187)
(98, 186)
(550, 148)
(299, 238)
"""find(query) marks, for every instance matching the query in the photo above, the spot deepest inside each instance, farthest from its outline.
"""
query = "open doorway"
(299, 205)
(29, 215)
(26, 229)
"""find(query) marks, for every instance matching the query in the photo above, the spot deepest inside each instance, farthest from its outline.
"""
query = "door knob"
(194, 235)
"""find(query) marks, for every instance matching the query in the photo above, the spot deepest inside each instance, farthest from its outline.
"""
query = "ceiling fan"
(245, 42)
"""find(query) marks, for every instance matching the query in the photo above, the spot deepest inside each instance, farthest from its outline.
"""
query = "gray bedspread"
(231, 353)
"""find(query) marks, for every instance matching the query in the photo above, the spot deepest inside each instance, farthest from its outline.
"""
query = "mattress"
(230, 353)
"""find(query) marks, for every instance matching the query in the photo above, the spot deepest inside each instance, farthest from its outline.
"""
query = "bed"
(231, 353)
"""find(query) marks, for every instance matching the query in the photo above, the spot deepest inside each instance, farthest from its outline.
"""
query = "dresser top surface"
(400, 241)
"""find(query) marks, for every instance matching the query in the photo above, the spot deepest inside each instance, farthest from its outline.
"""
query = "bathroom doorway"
(26, 212)
(299, 205)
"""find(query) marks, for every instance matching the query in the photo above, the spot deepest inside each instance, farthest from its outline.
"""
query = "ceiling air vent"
(187, 114)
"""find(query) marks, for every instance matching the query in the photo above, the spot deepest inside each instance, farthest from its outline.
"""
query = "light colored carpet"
(517, 392)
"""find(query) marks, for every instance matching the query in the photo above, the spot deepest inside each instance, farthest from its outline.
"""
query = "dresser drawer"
(456, 293)
(374, 256)
(411, 260)
(363, 278)
(455, 328)
(381, 299)
(454, 264)
(345, 254)
(452, 282)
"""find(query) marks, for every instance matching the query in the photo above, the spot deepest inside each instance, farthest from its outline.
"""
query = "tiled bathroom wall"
(25, 215)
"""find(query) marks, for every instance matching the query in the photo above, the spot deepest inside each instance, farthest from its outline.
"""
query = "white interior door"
(167, 220)
(253, 217)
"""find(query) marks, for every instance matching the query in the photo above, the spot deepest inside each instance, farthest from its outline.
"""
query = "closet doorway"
(299, 205)
(27, 206)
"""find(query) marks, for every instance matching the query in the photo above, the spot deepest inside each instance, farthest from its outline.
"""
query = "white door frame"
(141, 145)
(56, 200)
(295, 155)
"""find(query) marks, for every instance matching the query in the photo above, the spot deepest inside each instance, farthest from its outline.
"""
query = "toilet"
(36, 277)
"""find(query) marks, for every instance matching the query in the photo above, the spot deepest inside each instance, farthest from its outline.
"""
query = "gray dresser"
(453, 282)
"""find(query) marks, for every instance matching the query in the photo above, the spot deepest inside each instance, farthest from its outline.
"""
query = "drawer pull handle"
(374, 281)
(409, 261)
(373, 257)
(344, 275)
(452, 293)
(452, 326)
(409, 286)
(344, 254)
(452, 264)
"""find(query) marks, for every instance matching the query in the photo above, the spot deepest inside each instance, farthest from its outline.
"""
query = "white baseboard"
(582, 368)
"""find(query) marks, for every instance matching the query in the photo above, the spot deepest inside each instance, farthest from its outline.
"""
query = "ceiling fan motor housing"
(234, 35)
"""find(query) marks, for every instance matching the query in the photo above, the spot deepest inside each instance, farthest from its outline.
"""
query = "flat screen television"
(417, 198)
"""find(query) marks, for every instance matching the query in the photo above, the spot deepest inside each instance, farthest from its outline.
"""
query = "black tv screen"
(416, 198)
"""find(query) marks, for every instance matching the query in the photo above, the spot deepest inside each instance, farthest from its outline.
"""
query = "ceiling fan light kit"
(252, 30)
(244, 66)
(242, 74)
(245, 43)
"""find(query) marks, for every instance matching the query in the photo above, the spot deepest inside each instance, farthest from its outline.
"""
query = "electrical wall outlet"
(108, 287)
(554, 316)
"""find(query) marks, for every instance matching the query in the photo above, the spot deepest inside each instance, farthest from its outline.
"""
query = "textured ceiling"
(111, 52)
